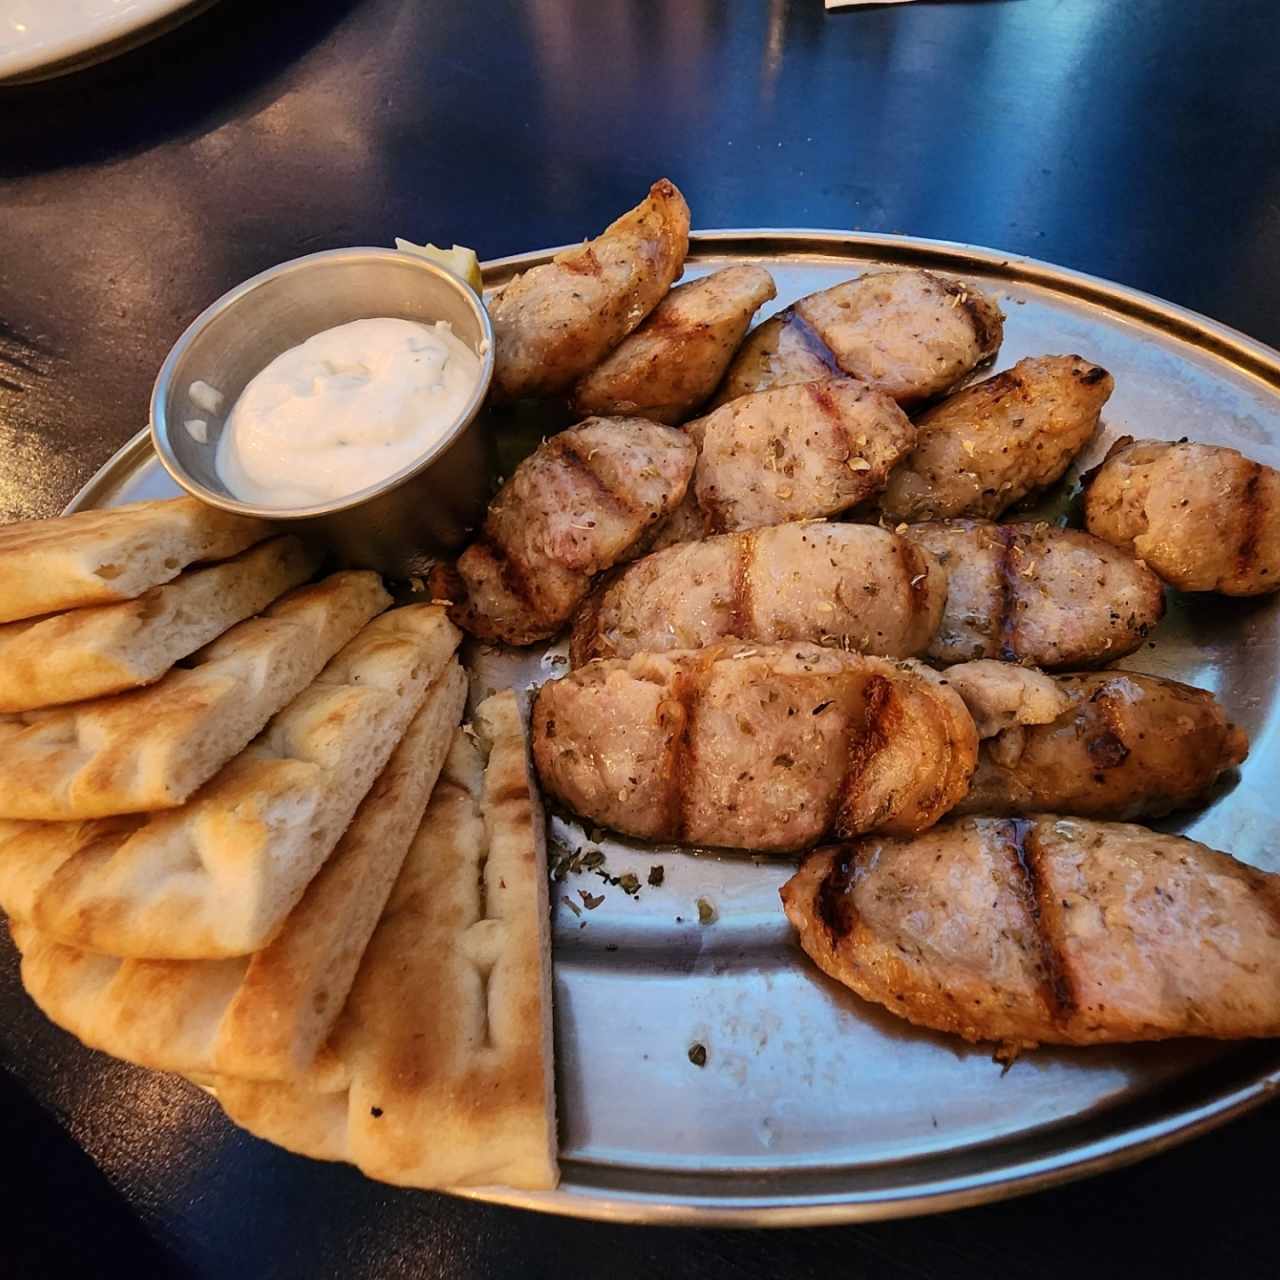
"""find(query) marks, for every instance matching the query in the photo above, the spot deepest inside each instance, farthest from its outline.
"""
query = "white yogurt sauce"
(344, 410)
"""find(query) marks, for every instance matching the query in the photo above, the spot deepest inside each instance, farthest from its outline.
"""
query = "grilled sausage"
(795, 453)
(553, 323)
(1205, 518)
(908, 333)
(850, 586)
(1123, 746)
(766, 747)
(670, 365)
(581, 502)
(990, 445)
(1033, 593)
(1047, 931)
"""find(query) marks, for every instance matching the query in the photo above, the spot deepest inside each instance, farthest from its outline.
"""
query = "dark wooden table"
(1136, 141)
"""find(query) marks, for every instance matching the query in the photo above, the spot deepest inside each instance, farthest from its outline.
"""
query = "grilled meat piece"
(581, 502)
(1124, 745)
(906, 332)
(1047, 931)
(764, 747)
(553, 323)
(685, 524)
(1003, 695)
(670, 365)
(850, 586)
(1204, 517)
(796, 453)
(1033, 593)
(990, 445)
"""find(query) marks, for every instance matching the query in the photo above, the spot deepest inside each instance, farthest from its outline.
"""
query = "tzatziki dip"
(345, 410)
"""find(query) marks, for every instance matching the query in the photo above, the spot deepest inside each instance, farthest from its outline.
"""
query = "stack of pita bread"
(243, 838)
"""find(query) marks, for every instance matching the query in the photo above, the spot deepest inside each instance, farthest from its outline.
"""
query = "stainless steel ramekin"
(400, 524)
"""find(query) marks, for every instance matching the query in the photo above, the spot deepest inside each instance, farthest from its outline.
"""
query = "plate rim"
(1126, 1143)
(96, 42)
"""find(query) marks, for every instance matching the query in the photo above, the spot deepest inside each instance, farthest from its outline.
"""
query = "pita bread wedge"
(482, 1109)
(151, 748)
(88, 653)
(218, 876)
(446, 1037)
(265, 1016)
(296, 988)
(94, 557)
(308, 1122)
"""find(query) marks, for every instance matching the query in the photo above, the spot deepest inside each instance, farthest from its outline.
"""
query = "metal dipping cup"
(399, 525)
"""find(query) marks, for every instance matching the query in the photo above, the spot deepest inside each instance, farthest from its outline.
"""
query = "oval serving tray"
(812, 1106)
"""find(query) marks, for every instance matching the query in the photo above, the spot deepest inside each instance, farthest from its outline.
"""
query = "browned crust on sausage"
(445, 584)
(820, 396)
(1106, 746)
(872, 738)
(742, 605)
(813, 340)
(1019, 839)
(987, 336)
(833, 901)
(1250, 522)
(582, 466)
(935, 802)
(686, 695)
(585, 639)
(510, 570)
(712, 508)
(584, 264)
(1009, 382)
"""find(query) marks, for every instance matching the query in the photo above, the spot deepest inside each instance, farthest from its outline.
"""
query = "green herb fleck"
(706, 912)
(698, 1054)
(656, 874)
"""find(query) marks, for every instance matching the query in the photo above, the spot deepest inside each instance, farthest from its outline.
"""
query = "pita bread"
(264, 1016)
(482, 1109)
(296, 988)
(94, 557)
(88, 653)
(151, 748)
(313, 1123)
(446, 1037)
(218, 876)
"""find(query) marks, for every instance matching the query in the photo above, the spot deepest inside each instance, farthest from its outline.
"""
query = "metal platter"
(813, 1106)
